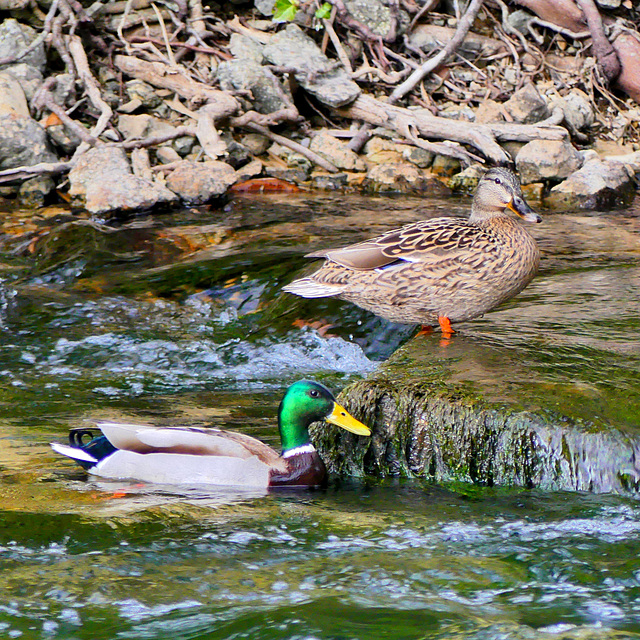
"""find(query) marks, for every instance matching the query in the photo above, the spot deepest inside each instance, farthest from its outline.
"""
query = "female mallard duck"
(196, 456)
(440, 270)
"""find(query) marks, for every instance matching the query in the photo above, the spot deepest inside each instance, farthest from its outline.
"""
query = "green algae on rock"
(437, 418)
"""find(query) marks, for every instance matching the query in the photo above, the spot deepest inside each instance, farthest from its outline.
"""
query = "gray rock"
(432, 38)
(102, 182)
(609, 4)
(337, 152)
(29, 78)
(144, 93)
(64, 139)
(376, 15)
(249, 75)
(420, 157)
(265, 7)
(323, 78)
(597, 185)
(288, 174)
(329, 181)
(16, 38)
(256, 143)
(64, 90)
(23, 142)
(13, 5)
(547, 160)
(527, 106)
(167, 155)
(142, 126)
(12, 98)
(577, 109)
(33, 192)
(250, 170)
(199, 182)
(184, 145)
(520, 20)
(245, 48)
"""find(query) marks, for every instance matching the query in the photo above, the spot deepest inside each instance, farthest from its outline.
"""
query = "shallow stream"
(178, 319)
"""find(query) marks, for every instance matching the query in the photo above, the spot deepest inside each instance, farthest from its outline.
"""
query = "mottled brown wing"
(418, 242)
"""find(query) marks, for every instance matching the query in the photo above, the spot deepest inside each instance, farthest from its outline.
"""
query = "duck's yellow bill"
(343, 419)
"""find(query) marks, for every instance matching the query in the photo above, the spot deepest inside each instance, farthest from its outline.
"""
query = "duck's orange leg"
(445, 325)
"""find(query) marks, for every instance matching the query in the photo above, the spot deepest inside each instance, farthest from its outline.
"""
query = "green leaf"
(324, 12)
(285, 10)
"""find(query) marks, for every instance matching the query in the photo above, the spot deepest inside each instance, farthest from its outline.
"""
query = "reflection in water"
(180, 320)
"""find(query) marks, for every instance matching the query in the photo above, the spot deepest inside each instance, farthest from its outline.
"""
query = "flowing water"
(178, 319)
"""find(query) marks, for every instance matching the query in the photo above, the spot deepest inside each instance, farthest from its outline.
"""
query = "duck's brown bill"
(522, 209)
(345, 420)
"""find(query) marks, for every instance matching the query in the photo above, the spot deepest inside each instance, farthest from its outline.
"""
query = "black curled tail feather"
(92, 442)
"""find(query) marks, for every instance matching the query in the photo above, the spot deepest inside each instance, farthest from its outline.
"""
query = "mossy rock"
(426, 422)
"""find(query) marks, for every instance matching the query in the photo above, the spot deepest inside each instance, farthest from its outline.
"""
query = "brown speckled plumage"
(438, 268)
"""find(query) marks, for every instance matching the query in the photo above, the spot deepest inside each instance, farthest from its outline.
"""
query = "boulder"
(102, 182)
(199, 182)
(547, 160)
(249, 75)
(454, 414)
(599, 184)
(321, 77)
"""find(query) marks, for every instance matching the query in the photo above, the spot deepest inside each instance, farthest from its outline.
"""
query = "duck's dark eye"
(497, 180)
(314, 393)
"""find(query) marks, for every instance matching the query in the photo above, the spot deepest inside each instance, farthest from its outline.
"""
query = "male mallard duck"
(440, 270)
(196, 456)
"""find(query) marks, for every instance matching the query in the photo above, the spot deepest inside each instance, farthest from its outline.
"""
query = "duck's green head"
(305, 402)
(500, 189)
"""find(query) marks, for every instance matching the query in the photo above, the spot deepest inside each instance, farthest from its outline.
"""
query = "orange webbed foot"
(425, 330)
(445, 325)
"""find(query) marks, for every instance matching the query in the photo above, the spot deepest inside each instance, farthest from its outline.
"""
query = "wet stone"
(33, 193)
(597, 185)
(329, 181)
(199, 182)
(102, 182)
